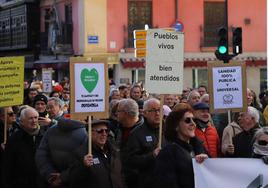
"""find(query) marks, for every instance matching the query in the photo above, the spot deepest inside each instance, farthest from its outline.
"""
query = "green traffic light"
(222, 49)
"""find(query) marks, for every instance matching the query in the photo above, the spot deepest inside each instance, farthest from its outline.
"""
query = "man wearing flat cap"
(102, 168)
(205, 130)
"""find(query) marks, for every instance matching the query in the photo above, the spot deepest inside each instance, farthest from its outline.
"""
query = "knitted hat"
(58, 88)
(40, 97)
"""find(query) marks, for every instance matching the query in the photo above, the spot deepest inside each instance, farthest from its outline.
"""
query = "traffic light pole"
(226, 26)
(222, 52)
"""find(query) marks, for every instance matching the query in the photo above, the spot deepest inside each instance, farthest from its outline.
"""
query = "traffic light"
(237, 40)
(222, 49)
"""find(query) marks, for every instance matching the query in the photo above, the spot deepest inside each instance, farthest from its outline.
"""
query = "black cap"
(40, 97)
(200, 106)
(99, 122)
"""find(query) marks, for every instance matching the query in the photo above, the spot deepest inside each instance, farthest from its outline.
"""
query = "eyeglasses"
(189, 120)
(10, 113)
(262, 142)
(100, 131)
(153, 110)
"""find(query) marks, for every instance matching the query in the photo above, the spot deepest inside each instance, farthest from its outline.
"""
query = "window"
(68, 26)
(200, 77)
(214, 16)
(263, 79)
(139, 14)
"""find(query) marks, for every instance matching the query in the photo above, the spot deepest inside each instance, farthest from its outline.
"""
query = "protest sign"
(47, 80)
(12, 79)
(227, 86)
(164, 61)
(89, 88)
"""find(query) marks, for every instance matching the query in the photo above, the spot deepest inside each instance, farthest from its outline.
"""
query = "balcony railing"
(64, 41)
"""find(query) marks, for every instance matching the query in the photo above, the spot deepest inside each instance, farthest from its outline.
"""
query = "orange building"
(200, 19)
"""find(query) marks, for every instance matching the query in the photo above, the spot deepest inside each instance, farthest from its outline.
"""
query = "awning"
(193, 62)
(133, 62)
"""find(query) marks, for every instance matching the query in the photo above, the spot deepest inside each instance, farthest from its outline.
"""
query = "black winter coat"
(174, 168)
(19, 168)
(56, 153)
(105, 173)
(243, 144)
(139, 159)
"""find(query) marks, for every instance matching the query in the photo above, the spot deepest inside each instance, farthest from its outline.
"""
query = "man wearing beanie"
(40, 104)
(205, 131)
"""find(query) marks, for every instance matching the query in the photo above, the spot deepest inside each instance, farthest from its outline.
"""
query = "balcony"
(64, 41)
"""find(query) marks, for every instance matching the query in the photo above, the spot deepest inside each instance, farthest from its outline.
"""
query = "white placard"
(89, 81)
(164, 62)
(227, 87)
(47, 80)
(231, 173)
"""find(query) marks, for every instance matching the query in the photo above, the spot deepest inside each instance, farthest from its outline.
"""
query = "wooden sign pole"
(5, 127)
(161, 121)
(89, 136)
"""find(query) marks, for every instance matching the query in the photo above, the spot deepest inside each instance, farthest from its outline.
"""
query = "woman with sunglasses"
(174, 166)
(260, 144)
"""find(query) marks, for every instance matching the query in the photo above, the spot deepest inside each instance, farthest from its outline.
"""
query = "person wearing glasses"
(242, 142)
(11, 127)
(102, 168)
(56, 152)
(142, 147)
(173, 166)
(260, 144)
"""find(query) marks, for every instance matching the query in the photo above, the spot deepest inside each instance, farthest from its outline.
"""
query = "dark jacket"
(121, 136)
(56, 151)
(19, 168)
(119, 133)
(139, 162)
(243, 144)
(174, 168)
(105, 173)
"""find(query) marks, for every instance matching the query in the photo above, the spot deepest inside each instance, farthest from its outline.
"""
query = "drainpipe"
(176, 10)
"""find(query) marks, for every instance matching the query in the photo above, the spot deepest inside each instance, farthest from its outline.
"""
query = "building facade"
(200, 19)
(85, 27)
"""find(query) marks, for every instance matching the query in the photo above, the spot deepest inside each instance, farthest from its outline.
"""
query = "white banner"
(231, 173)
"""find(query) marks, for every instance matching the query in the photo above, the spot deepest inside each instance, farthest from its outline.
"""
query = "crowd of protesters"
(44, 148)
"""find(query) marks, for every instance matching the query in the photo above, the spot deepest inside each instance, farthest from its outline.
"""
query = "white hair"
(148, 102)
(253, 112)
(26, 110)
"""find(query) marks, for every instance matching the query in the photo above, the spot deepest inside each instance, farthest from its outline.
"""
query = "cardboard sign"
(12, 79)
(89, 83)
(227, 86)
(164, 61)
(47, 80)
